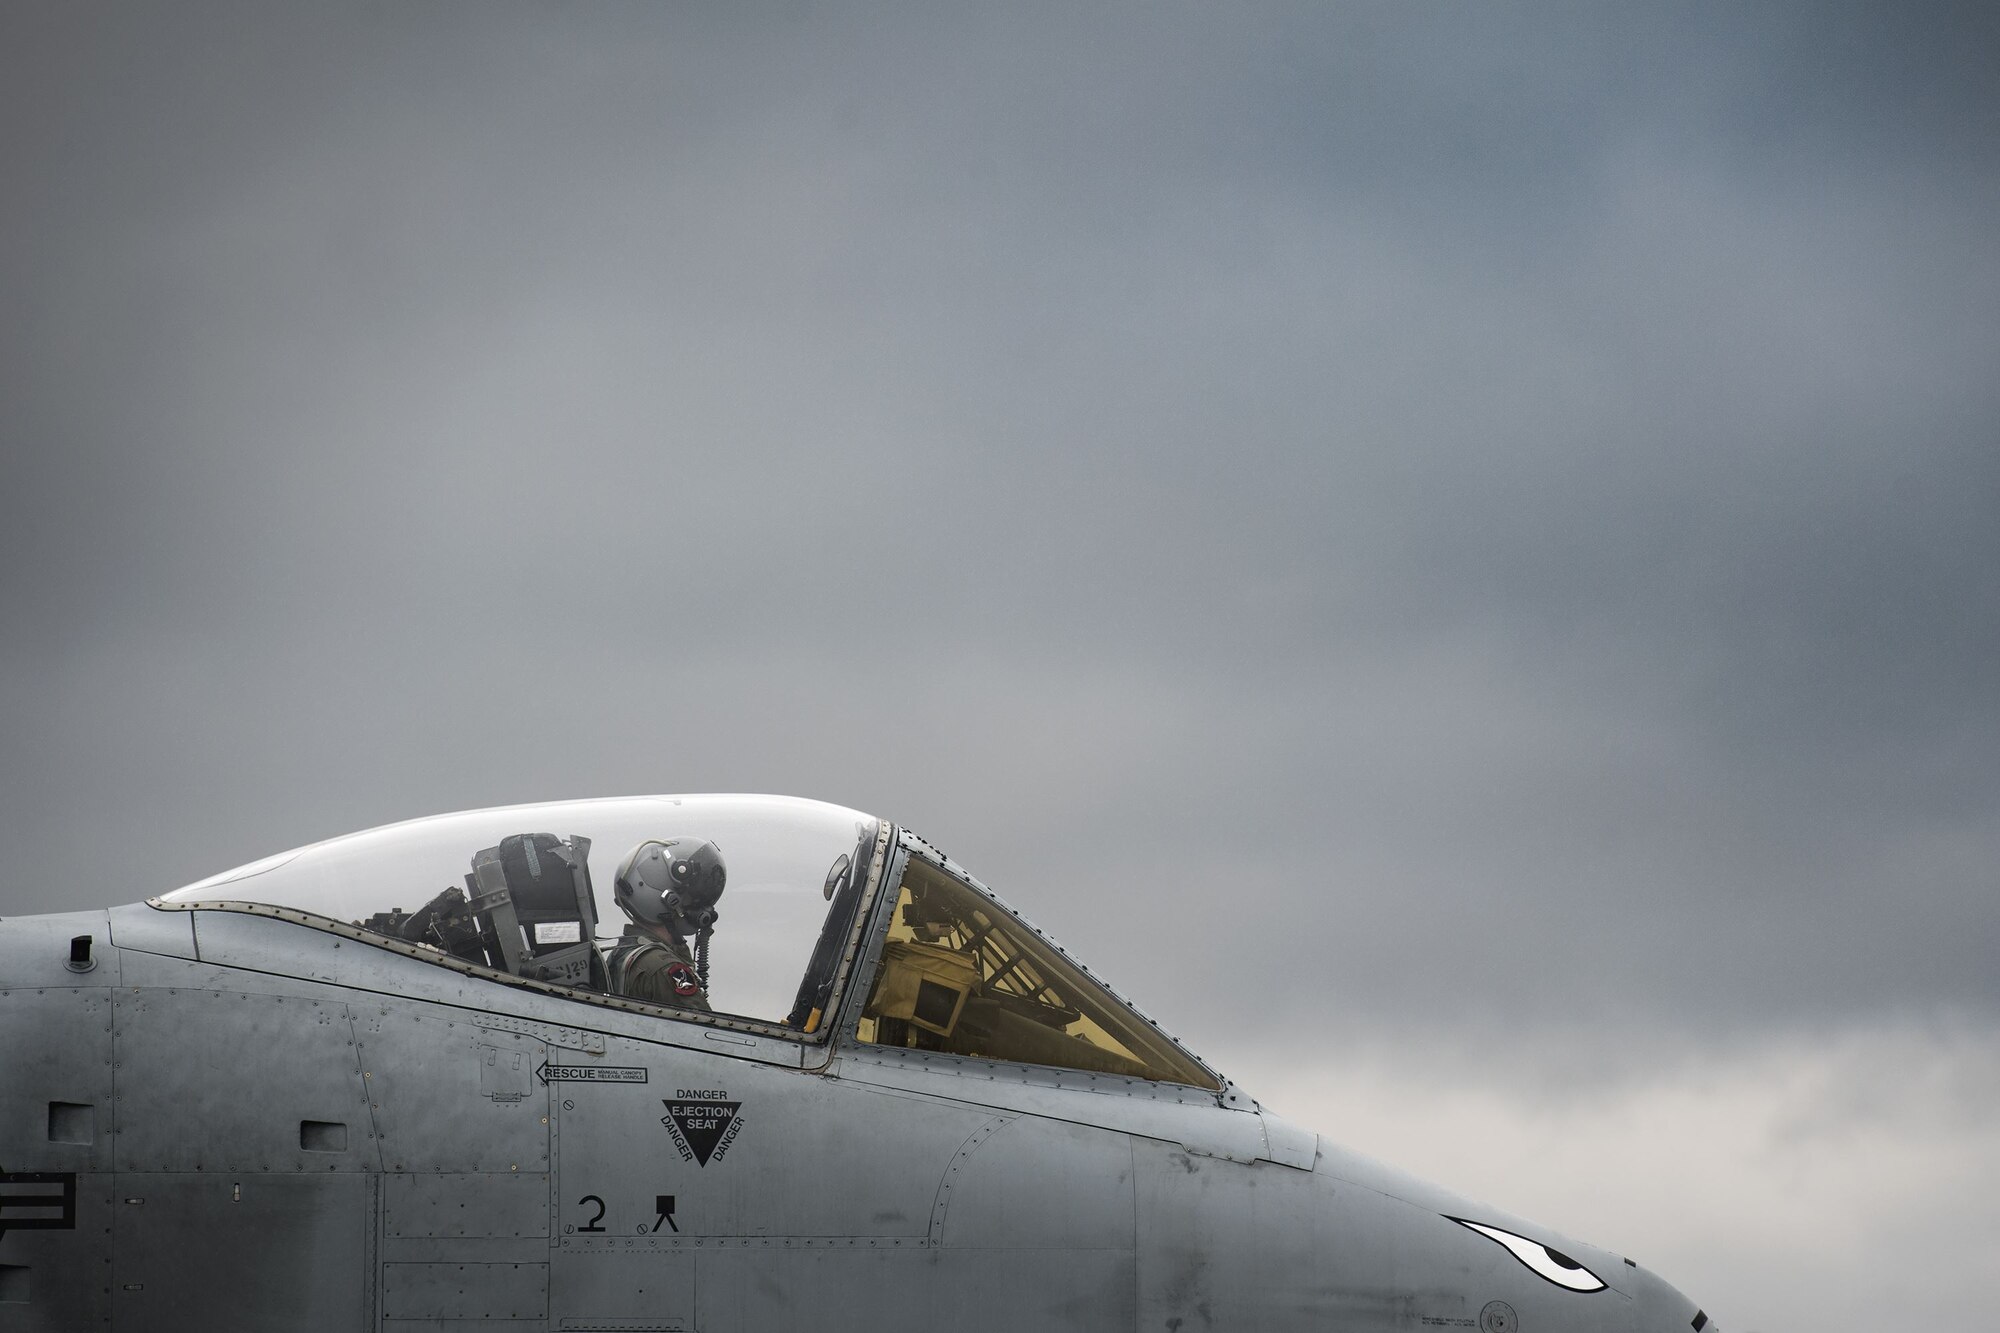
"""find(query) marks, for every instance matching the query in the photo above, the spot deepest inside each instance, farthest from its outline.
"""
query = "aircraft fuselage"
(227, 1120)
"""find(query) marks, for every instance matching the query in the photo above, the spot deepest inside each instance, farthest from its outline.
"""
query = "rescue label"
(703, 1122)
(590, 1074)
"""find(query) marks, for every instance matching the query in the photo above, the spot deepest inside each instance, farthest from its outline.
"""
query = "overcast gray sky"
(1458, 539)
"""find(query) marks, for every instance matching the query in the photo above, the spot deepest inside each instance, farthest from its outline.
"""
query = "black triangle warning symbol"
(701, 1125)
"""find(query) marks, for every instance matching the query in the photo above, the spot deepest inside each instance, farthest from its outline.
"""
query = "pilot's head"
(671, 884)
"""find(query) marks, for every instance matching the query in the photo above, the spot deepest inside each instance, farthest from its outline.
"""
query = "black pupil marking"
(1562, 1260)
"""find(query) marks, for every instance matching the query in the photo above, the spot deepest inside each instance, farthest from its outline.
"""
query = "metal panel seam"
(965, 1150)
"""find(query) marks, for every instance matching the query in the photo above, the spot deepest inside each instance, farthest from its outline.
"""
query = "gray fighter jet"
(411, 1080)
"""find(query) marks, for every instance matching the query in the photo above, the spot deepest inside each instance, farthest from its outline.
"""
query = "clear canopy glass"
(778, 851)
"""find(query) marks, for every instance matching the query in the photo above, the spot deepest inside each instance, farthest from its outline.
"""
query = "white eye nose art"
(1545, 1263)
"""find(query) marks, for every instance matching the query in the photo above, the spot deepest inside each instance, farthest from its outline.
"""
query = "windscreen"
(555, 865)
(960, 974)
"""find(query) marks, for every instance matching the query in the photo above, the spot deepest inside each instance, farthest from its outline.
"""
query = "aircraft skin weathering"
(381, 1083)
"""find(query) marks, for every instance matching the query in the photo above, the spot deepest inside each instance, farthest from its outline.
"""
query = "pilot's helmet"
(672, 882)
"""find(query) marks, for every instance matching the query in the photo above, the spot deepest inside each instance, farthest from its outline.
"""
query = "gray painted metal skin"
(233, 1120)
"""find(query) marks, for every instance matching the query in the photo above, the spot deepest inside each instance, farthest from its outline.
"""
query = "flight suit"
(646, 967)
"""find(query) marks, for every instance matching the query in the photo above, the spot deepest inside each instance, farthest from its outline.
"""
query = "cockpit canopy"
(778, 850)
(527, 891)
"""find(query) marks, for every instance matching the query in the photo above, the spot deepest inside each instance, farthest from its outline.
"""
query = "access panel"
(198, 1252)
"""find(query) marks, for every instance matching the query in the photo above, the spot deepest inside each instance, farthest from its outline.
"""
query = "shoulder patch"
(684, 979)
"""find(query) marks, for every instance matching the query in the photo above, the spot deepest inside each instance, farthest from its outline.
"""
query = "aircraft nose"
(1659, 1307)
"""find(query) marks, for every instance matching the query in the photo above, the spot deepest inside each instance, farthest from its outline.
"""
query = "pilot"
(668, 887)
